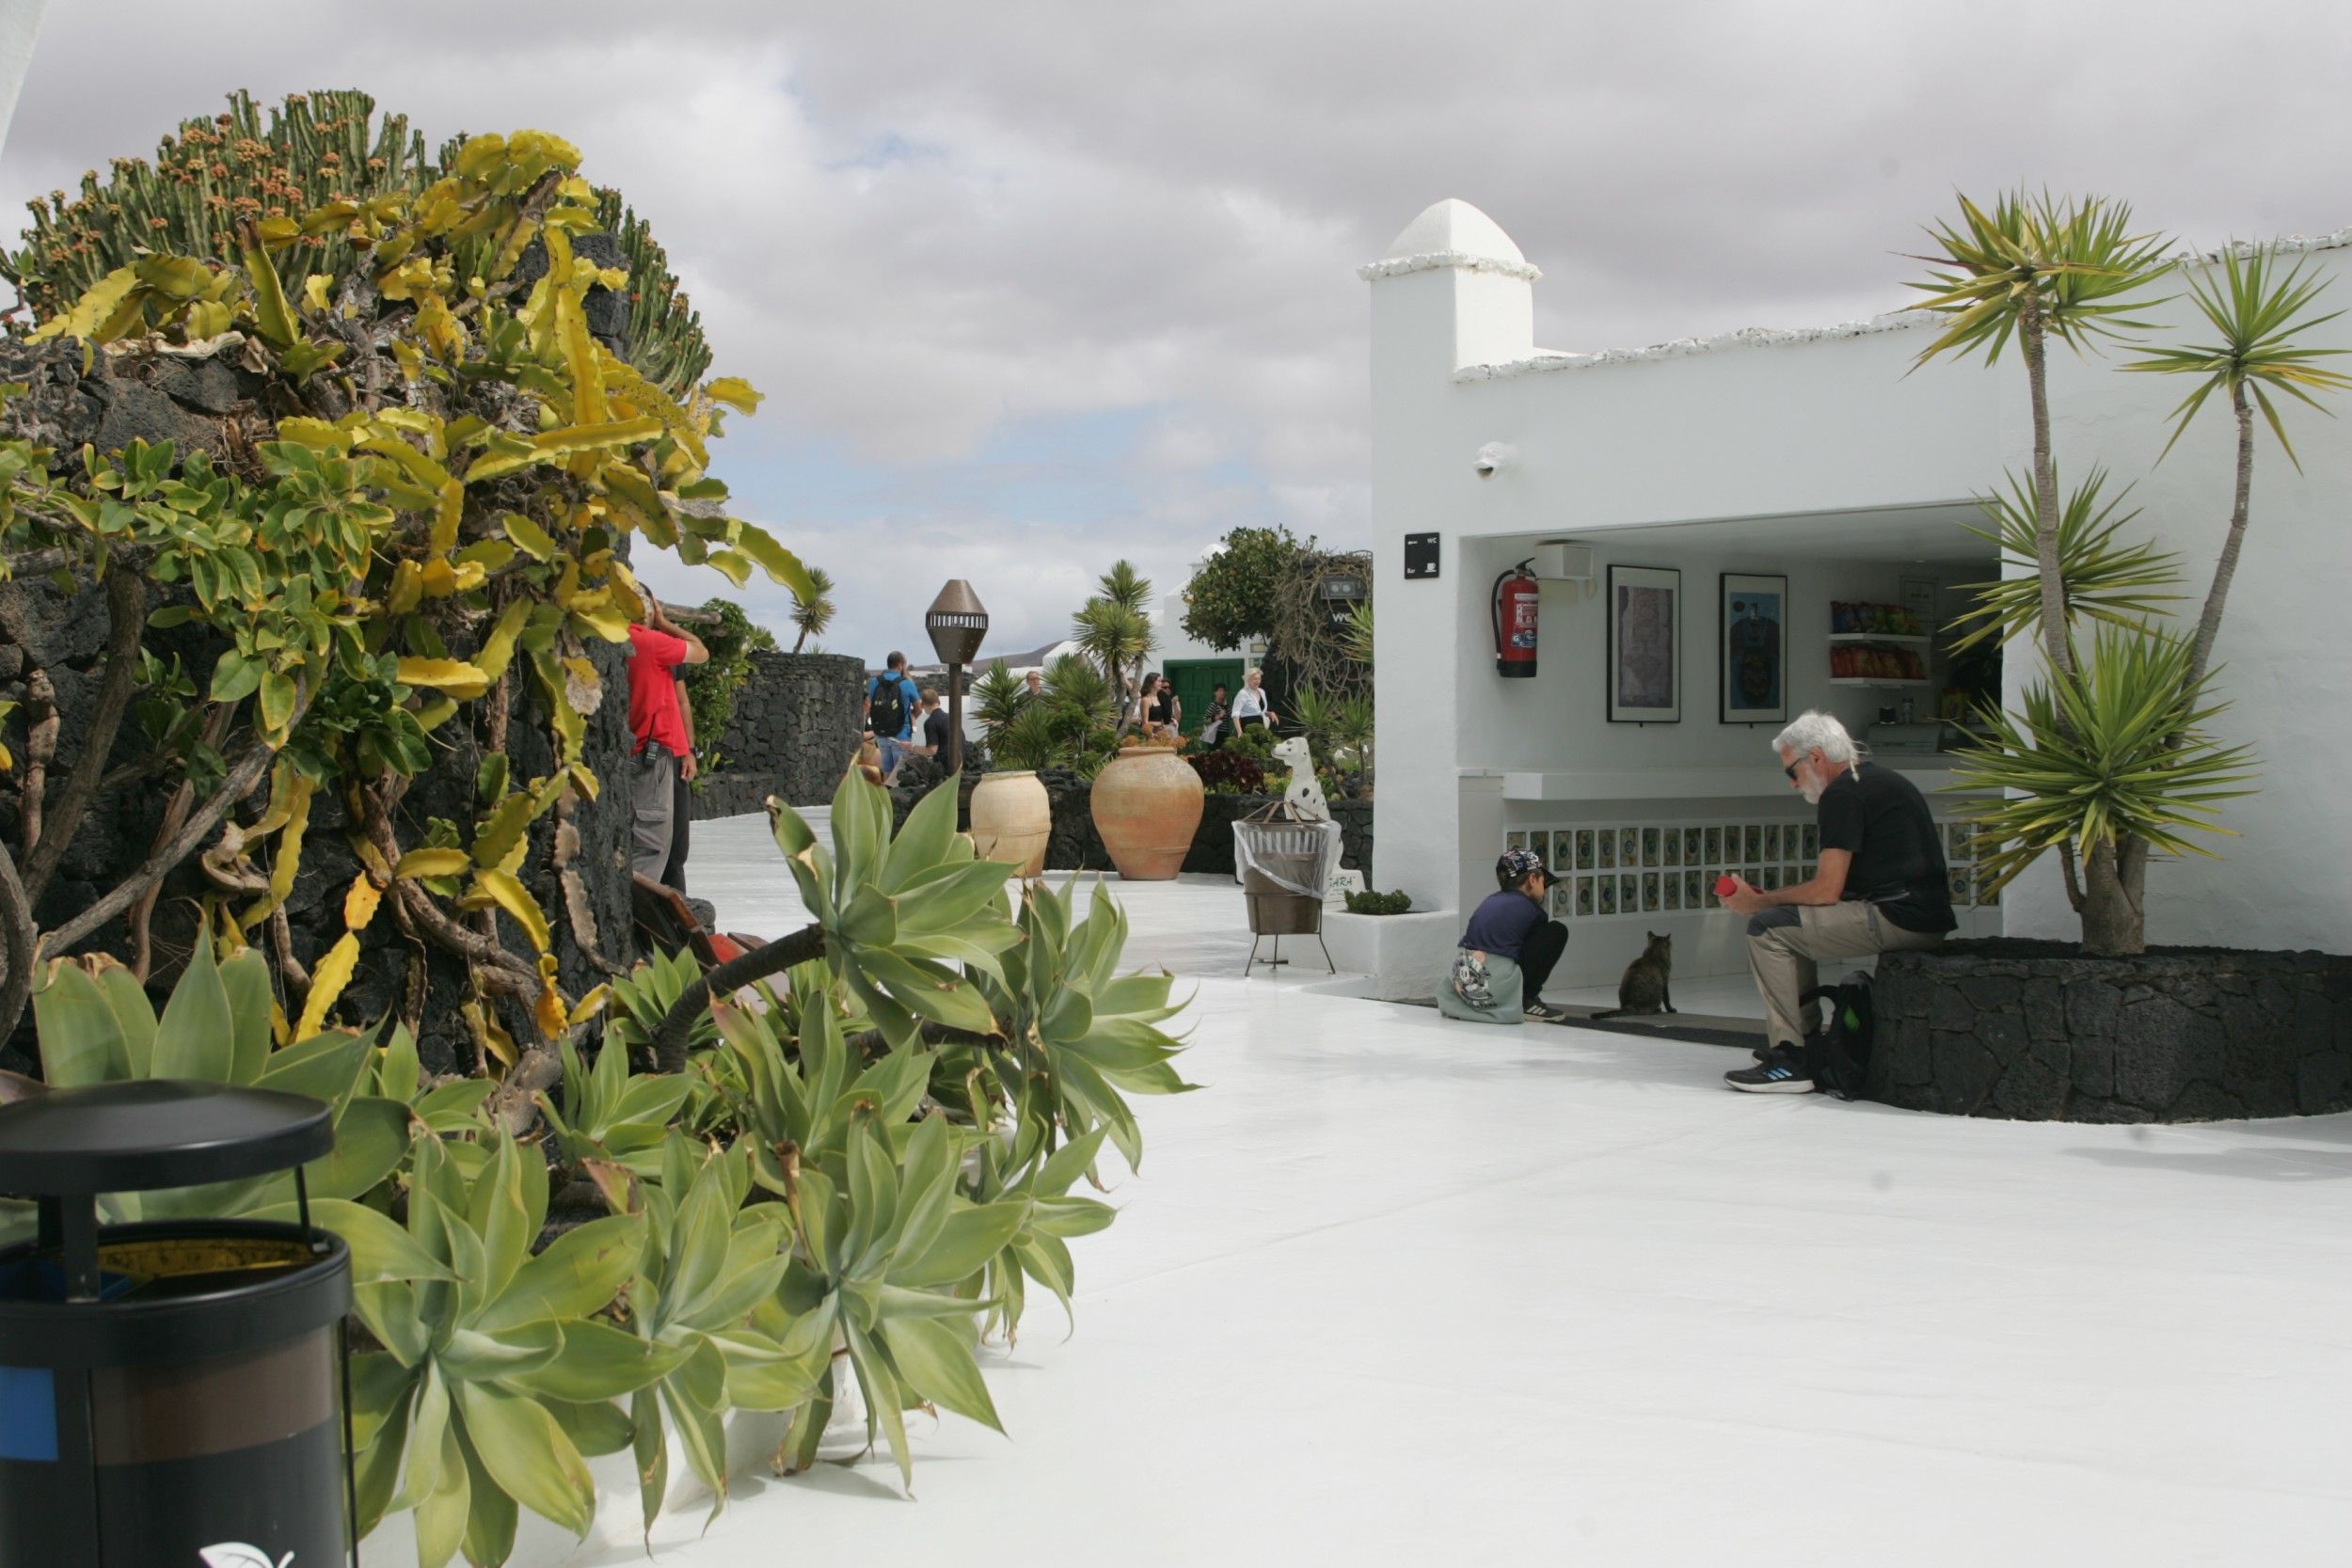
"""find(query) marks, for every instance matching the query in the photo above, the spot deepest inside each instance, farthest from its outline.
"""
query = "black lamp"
(957, 623)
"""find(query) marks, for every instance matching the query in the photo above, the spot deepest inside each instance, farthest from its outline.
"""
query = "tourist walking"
(1032, 687)
(1214, 722)
(1250, 708)
(662, 756)
(890, 704)
(1880, 887)
(1508, 951)
(931, 729)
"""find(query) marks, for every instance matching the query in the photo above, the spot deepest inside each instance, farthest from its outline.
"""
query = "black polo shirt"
(1881, 818)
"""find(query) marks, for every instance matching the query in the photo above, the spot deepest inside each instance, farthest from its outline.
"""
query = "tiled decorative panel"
(1628, 870)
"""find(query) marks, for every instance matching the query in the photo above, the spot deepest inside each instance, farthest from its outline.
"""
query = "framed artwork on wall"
(1752, 649)
(1644, 645)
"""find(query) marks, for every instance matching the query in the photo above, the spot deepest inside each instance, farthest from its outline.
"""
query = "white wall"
(1764, 426)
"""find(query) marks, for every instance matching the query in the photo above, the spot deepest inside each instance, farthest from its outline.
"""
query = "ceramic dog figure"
(1304, 798)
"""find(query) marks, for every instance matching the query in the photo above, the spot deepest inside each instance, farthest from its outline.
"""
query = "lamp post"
(957, 622)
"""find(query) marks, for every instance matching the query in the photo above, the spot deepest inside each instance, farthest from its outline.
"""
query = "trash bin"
(169, 1390)
(1285, 874)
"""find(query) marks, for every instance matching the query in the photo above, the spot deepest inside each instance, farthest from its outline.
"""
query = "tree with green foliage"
(813, 614)
(1232, 598)
(2108, 760)
(732, 637)
(1114, 630)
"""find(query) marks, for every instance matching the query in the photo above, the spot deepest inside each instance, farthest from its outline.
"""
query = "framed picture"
(1645, 643)
(1752, 651)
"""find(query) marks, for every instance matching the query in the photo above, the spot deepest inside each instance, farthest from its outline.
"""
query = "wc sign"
(236, 1554)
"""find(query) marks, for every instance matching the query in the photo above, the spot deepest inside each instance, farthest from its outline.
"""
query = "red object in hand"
(1725, 886)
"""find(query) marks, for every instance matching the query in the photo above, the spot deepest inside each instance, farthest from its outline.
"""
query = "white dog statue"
(1304, 798)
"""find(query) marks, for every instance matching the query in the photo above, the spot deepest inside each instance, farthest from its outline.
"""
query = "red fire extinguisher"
(1515, 610)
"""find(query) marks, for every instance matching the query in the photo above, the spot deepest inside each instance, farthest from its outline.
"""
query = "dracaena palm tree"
(1114, 630)
(2108, 760)
(2038, 269)
(814, 613)
(2257, 316)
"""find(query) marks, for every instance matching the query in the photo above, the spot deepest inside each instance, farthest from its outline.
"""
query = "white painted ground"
(1397, 1290)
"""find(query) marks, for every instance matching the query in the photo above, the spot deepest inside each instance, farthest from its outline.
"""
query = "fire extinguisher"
(1514, 621)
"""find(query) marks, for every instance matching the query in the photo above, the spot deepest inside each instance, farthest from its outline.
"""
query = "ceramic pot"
(1011, 820)
(1147, 803)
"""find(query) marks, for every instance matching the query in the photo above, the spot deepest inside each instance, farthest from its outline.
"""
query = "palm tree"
(814, 613)
(2256, 315)
(2039, 270)
(2108, 760)
(1114, 630)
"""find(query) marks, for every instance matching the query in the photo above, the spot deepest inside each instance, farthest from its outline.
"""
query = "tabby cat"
(1641, 991)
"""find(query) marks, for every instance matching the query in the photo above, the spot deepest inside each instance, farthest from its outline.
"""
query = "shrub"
(1370, 902)
(1229, 772)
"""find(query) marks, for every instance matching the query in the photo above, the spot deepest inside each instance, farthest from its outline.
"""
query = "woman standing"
(1161, 708)
(1250, 710)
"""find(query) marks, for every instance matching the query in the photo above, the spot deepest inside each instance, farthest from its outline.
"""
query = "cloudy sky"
(1034, 286)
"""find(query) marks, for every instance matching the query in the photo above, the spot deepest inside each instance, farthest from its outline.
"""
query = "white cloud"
(921, 226)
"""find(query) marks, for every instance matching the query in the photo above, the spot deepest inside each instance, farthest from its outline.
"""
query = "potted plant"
(1013, 816)
(1147, 803)
(2107, 759)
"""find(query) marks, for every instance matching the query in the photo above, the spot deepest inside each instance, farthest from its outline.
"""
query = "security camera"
(1493, 455)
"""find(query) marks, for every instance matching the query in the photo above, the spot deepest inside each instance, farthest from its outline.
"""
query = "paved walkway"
(1396, 1290)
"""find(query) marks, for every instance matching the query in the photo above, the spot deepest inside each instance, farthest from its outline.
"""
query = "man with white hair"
(1880, 886)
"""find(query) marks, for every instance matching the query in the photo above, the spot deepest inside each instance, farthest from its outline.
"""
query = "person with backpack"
(890, 703)
(1880, 886)
(1508, 951)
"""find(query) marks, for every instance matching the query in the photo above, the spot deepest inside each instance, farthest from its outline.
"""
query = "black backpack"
(886, 713)
(1839, 1055)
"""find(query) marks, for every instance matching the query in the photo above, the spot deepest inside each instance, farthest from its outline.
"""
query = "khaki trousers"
(1782, 953)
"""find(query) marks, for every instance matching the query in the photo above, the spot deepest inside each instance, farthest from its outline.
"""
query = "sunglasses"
(1792, 772)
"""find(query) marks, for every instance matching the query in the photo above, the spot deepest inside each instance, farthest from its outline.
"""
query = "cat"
(1642, 992)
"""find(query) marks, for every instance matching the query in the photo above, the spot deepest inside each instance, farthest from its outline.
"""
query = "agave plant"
(882, 1245)
(1025, 1173)
(610, 1115)
(97, 1027)
(496, 1376)
(708, 1264)
(1073, 1032)
(644, 996)
(894, 915)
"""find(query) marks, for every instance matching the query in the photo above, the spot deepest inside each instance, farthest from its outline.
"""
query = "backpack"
(1839, 1055)
(886, 715)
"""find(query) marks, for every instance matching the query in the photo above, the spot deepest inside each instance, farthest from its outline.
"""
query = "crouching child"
(1508, 951)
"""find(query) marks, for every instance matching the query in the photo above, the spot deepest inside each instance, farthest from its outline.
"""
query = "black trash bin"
(169, 1392)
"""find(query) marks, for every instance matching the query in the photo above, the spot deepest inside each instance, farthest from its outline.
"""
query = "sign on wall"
(1644, 645)
(1752, 648)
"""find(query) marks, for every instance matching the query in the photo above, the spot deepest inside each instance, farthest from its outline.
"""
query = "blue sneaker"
(1783, 1072)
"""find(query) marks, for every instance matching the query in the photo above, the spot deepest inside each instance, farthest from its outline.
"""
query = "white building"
(1823, 458)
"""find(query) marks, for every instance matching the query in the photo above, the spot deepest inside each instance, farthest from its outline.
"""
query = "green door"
(1194, 678)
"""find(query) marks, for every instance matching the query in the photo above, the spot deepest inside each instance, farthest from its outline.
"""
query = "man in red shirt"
(664, 753)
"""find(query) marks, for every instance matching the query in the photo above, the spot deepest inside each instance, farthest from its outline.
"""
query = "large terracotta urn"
(1147, 804)
(1011, 820)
